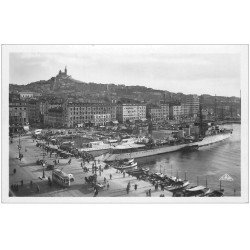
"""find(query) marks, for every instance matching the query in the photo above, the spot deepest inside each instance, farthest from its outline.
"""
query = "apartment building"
(175, 112)
(185, 110)
(158, 113)
(193, 102)
(26, 95)
(131, 112)
(101, 119)
(54, 117)
(77, 113)
(18, 113)
(34, 111)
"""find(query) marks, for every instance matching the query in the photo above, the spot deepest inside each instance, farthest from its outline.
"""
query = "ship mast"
(215, 108)
(201, 121)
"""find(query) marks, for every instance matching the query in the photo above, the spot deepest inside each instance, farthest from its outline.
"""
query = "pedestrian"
(95, 192)
(14, 171)
(127, 189)
(21, 182)
(135, 187)
(37, 188)
(149, 192)
(108, 186)
(110, 176)
(31, 184)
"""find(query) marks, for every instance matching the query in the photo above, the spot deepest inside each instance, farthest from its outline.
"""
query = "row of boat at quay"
(179, 187)
(112, 149)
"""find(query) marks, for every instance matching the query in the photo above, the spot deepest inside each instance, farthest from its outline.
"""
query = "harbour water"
(209, 162)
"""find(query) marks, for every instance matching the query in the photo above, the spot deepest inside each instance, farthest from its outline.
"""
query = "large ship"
(139, 149)
(98, 148)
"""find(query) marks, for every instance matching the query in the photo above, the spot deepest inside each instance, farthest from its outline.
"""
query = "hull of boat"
(97, 152)
(162, 150)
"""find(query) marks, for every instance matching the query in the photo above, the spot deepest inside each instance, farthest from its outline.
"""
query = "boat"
(196, 191)
(178, 185)
(126, 164)
(216, 193)
(138, 150)
(128, 161)
(138, 171)
(97, 148)
(127, 167)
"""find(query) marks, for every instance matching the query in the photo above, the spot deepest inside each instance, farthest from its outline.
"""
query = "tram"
(60, 178)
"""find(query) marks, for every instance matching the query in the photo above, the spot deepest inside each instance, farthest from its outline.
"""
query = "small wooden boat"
(178, 186)
(196, 191)
(127, 161)
(216, 193)
(127, 167)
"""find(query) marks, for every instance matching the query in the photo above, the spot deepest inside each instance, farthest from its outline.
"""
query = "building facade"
(101, 119)
(25, 95)
(175, 112)
(18, 113)
(77, 113)
(193, 102)
(131, 112)
(185, 110)
(54, 117)
(34, 111)
(158, 113)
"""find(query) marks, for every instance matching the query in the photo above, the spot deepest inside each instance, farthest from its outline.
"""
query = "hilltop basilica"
(62, 75)
(60, 80)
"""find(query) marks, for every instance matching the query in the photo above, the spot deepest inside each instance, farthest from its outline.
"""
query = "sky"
(196, 69)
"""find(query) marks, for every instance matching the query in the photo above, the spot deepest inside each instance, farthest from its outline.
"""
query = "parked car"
(50, 167)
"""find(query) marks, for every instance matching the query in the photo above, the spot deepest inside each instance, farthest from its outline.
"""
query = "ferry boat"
(137, 150)
(127, 165)
(98, 148)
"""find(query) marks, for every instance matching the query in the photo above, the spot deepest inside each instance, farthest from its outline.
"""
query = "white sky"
(199, 69)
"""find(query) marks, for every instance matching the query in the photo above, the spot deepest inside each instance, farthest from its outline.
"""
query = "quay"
(29, 182)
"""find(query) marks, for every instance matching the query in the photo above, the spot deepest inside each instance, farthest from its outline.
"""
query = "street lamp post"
(19, 147)
(43, 170)
(43, 153)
